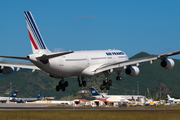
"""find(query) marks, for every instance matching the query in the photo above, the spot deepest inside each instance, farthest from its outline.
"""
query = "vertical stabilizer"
(94, 92)
(14, 94)
(39, 95)
(37, 43)
(168, 97)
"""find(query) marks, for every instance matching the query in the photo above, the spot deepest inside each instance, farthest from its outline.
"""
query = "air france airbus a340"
(80, 64)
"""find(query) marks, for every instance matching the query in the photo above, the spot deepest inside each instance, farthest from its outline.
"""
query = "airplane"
(173, 99)
(96, 95)
(23, 100)
(80, 64)
(13, 96)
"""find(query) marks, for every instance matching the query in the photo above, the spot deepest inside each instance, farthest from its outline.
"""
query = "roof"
(83, 100)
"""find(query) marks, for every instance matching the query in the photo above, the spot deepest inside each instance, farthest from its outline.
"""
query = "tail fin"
(37, 43)
(39, 95)
(168, 97)
(94, 92)
(14, 94)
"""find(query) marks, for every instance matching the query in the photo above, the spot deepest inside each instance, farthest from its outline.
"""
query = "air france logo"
(93, 91)
(114, 53)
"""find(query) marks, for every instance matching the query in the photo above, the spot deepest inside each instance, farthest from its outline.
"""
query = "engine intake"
(167, 64)
(132, 71)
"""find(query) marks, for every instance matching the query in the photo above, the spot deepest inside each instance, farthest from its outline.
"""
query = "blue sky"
(132, 26)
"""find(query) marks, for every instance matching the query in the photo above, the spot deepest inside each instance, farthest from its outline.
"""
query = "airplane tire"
(66, 83)
(84, 83)
(102, 87)
(107, 87)
(80, 85)
(63, 88)
(118, 78)
(104, 82)
(110, 82)
(57, 88)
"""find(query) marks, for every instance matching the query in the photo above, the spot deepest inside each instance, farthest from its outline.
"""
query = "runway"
(46, 107)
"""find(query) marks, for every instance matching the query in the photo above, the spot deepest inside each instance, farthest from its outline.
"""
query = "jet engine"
(167, 63)
(7, 70)
(132, 71)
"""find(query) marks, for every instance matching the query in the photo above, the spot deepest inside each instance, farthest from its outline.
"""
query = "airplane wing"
(134, 61)
(18, 65)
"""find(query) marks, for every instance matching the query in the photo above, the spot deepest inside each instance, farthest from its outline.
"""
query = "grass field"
(92, 115)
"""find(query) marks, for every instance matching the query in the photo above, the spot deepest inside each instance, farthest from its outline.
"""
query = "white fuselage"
(174, 100)
(127, 97)
(79, 63)
(24, 99)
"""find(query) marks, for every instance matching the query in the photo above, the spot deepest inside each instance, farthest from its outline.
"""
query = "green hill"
(30, 84)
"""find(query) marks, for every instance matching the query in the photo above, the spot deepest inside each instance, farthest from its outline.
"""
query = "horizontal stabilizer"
(21, 58)
(44, 58)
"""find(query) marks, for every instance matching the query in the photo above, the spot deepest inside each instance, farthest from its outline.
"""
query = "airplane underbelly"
(68, 69)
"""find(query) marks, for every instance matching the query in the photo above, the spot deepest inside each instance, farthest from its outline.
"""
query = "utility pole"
(10, 89)
(160, 93)
(137, 87)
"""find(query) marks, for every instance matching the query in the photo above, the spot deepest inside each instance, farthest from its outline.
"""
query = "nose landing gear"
(62, 85)
(82, 82)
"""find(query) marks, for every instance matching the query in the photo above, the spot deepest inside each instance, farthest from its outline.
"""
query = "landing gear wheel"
(102, 87)
(104, 82)
(107, 87)
(110, 82)
(84, 83)
(66, 84)
(80, 85)
(63, 88)
(118, 78)
(57, 88)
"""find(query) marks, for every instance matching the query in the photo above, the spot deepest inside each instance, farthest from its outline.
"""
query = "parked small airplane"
(173, 99)
(5, 99)
(23, 100)
(80, 64)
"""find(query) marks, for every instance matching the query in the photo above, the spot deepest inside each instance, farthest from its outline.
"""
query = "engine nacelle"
(167, 64)
(132, 71)
(7, 70)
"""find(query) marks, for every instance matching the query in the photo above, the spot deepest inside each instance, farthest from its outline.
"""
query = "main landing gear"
(107, 83)
(82, 82)
(62, 85)
(118, 77)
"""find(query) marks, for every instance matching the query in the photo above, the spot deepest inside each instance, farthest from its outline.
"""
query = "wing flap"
(134, 61)
(125, 63)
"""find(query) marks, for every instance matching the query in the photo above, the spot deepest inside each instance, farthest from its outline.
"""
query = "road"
(46, 107)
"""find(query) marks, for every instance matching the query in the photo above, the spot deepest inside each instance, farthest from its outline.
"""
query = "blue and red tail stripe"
(34, 33)
(32, 40)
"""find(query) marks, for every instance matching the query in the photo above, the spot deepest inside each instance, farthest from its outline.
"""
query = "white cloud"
(58, 50)
(1, 59)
